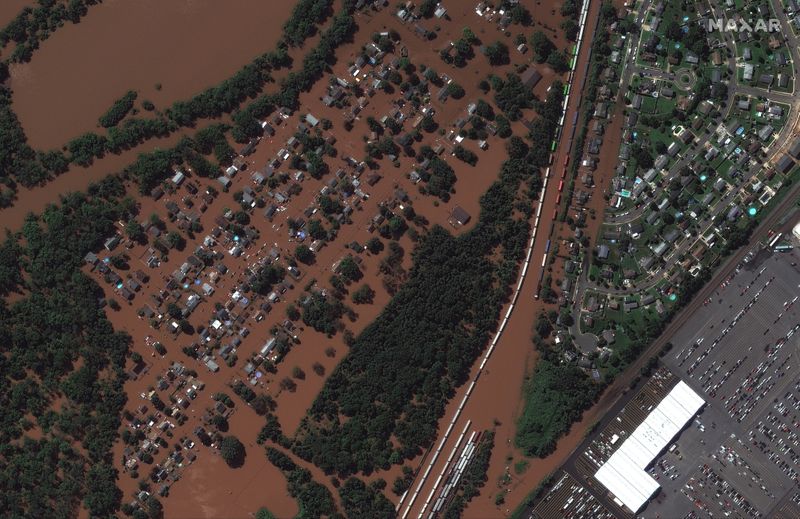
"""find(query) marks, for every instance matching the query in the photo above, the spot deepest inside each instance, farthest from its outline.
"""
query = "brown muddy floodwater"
(9, 9)
(121, 45)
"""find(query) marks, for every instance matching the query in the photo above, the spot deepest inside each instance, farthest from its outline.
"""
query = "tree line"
(118, 110)
(20, 163)
(58, 345)
(33, 25)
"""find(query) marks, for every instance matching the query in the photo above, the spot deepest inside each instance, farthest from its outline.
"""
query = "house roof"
(460, 215)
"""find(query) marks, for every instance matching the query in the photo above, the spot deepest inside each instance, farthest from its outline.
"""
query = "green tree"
(232, 451)
(349, 269)
(455, 90)
(134, 231)
(175, 240)
(263, 513)
(364, 295)
(497, 53)
(542, 46)
(304, 254)
(374, 245)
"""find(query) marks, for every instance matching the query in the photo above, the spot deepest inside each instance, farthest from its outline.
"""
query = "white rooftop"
(624, 473)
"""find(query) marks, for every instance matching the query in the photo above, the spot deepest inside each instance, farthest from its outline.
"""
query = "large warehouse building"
(624, 473)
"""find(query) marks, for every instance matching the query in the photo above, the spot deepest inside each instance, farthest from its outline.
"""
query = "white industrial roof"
(624, 473)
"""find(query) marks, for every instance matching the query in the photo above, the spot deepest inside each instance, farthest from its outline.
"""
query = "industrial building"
(624, 474)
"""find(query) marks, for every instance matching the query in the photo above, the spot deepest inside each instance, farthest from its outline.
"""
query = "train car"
(560, 186)
(558, 199)
(547, 247)
(555, 214)
(566, 161)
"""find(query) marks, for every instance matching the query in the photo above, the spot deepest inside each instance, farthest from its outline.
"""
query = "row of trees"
(314, 498)
(35, 24)
(18, 161)
(341, 29)
(248, 82)
(306, 15)
(118, 110)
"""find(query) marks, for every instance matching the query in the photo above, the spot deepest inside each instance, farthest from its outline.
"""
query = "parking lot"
(740, 456)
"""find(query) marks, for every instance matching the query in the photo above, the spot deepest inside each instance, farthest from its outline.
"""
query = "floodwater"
(183, 45)
(496, 399)
(208, 488)
(78, 178)
(9, 9)
(516, 337)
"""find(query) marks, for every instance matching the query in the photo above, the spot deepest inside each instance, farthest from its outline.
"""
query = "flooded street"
(121, 45)
(192, 44)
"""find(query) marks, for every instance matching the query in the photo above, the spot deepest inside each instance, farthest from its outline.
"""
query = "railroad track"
(618, 387)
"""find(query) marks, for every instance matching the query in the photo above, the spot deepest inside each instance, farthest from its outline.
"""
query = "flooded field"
(78, 72)
(10, 8)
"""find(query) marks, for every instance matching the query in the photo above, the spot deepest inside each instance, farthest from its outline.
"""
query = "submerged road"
(493, 396)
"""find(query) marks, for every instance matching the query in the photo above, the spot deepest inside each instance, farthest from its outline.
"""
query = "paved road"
(611, 398)
(586, 341)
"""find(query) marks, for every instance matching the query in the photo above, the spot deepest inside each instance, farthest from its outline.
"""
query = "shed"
(460, 216)
(531, 77)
